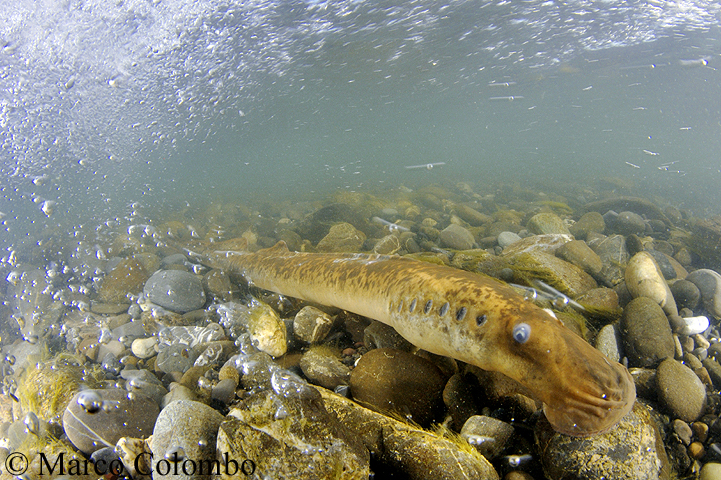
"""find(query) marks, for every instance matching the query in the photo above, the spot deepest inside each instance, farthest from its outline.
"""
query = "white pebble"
(144, 347)
(695, 325)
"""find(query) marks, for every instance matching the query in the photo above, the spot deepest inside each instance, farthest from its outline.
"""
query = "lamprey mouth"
(581, 413)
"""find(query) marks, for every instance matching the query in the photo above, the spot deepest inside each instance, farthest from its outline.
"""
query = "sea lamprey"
(470, 317)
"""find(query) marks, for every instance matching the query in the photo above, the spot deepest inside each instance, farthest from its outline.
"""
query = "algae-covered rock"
(646, 333)
(342, 237)
(560, 274)
(632, 449)
(126, 278)
(266, 329)
(547, 223)
(547, 243)
(416, 453)
(591, 222)
(46, 388)
(644, 279)
(287, 433)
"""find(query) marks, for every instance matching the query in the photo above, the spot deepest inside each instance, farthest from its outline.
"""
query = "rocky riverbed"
(128, 352)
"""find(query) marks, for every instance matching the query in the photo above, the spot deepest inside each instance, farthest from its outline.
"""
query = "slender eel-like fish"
(470, 317)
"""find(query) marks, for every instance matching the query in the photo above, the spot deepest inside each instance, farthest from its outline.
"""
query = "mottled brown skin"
(583, 392)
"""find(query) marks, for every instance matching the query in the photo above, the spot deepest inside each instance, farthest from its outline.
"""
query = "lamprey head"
(583, 392)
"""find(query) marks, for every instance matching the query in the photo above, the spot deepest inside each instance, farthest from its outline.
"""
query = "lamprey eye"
(522, 332)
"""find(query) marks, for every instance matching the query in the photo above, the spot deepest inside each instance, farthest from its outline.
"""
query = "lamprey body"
(447, 311)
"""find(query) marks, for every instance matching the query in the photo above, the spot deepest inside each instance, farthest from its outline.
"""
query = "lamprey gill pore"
(470, 317)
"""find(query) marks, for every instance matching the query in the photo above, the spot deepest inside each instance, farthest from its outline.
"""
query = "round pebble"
(680, 390)
(175, 358)
(144, 347)
(324, 369)
(646, 333)
(710, 471)
(311, 325)
(175, 290)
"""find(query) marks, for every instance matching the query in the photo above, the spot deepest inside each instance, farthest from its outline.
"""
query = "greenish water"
(154, 105)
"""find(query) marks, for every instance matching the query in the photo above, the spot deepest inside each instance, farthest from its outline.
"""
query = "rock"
(399, 447)
(629, 223)
(324, 368)
(99, 418)
(380, 335)
(175, 290)
(144, 347)
(666, 265)
(224, 391)
(311, 325)
(388, 245)
(30, 298)
(287, 432)
(680, 390)
(456, 237)
(562, 275)
(709, 285)
(637, 205)
(342, 237)
(694, 325)
(706, 241)
(710, 471)
(632, 449)
(644, 279)
(686, 294)
(144, 382)
(462, 396)
(316, 226)
(591, 222)
(607, 342)
(580, 254)
(545, 243)
(267, 331)
(507, 238)
(682, 430)
(613, 254)
(217, 284)
(601, 303)
(177, 357)
(471, 215)
(547, 223)
(188, 429)
(488, 435)
(393, 380)
(646, 334)
(126, 278)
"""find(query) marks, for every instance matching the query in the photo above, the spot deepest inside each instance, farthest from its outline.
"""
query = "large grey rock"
(95, 419)
(175, 290)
